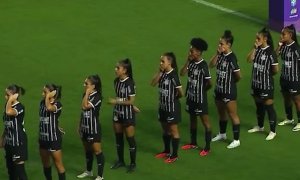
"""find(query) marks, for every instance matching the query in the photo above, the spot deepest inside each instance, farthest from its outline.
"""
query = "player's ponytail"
(16, 89)
(172, 58)
(95, 80)
(228, 37)
(292, 30)
(126, 63)
(266, 33)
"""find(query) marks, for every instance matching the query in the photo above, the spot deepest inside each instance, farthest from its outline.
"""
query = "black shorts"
(16, 154)
(194, 108)
(262, 94)
(91, 138)
(225, 97)
(123, 121)
(293, 88)
(51, 145)
(170, 117)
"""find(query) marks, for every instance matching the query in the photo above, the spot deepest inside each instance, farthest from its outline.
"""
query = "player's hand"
(112, 101)
(13, 97)
(51, 94)
(256, 45)
(2, 142)
(61, 130)
(136, 109)
(89, 90)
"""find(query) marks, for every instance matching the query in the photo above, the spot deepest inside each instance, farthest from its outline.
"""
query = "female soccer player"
(89, 127)
(124, 113)
(265, 65)
(196, 97)
(169, 112)
(50, 136)
(289, 51)
(14, 136)
(228, 74)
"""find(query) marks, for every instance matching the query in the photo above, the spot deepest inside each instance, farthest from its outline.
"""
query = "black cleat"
(131, 168)
(117, 165)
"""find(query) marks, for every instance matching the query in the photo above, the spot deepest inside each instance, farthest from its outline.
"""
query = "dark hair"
(266, 33)
(126, 63)
(53, 87)
(171, 57)
(291, 29)
(95, 80)
(199, 44)
(227, 36)
(13, 88)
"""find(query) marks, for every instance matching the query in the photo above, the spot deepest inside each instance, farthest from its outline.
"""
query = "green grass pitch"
(64, 41)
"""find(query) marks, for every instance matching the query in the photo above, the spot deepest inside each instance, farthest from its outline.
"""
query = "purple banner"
(283, 13)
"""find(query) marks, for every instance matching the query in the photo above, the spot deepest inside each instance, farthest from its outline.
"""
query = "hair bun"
(227, 33)
(199, 44)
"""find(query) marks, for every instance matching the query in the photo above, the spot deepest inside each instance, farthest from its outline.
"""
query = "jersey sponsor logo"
(263, 57)
(288, 64)
(259, 67)
(8, 124)
(164, 92)
(44, 120)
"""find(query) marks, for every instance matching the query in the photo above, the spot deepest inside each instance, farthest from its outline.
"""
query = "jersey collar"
(93, 93)
(15, 103)
(228, 53)
(290, 43)
(169, 71)
(122, 80)
(265, 47)
(198, 62)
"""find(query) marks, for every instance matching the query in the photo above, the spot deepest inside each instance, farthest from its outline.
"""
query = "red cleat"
(162, 155)
(204, 152)
(171, 160)
(189, 146)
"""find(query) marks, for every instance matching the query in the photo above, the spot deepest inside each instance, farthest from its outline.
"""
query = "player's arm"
(85, 100)
(179, 92)
(50, 107)
(213, 60)
(251, 55)
(237, 75)
(156, 78)
(8, 109)
(208, 84)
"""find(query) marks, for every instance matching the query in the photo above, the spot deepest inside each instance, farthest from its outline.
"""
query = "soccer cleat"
(171, 160)
(189, 146)
(234, 144)
(131, 168)
(270, 136)
(286, 122)
(99, 178)
(85, 174)
(219, 137)
(204, 152)
(296, 128)
(162, 155)
(117, 165)
(256, 129)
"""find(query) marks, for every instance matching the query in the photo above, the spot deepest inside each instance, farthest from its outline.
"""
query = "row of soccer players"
(263, 56)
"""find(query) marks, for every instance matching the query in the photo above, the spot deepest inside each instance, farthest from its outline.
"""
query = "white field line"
(230, 11)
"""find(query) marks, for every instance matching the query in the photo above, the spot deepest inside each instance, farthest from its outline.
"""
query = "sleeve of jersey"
(131, 89)
(19, 109)
(58, 107)
(297, 52)
(206, 72)
(273, 59)
(176, 81)
(95, 101)
(234, 64)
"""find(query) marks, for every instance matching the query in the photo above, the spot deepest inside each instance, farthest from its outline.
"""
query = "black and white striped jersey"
(198, 74)
(89, 123)
(226, 67)
(290, 55)
(124, 88)
(49, 122)
(262, 75)
(168, 84)
(14, 132)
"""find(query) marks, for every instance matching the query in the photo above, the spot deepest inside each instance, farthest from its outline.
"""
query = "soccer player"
(50, 134)
(124, 113)
(14, 136)
(228, 74)
(169, 112)
(89, 127)
(199, 81)
(289, 51)
(265, 65)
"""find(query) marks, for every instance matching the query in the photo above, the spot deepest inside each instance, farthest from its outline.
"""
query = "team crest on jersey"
(123, 90)
(224, 64)
(289, 54)
(263, 57)
(196, 72)
(166, 82)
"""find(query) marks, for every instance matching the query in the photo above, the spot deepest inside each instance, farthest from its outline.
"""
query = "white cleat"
(286, 122)
(256, 129)
(296, 128)
(219, 137)
(85, 174)
(271, 136)
(234, 144)
(99, 178)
